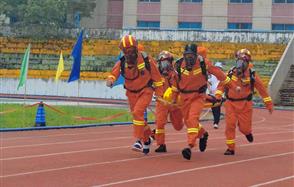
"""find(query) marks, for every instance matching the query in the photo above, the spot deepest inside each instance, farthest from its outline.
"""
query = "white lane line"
(194, 169)
(4, 139)
(290, 125)
(130, 159)
(118, 147)
(103, 139)
(61, 135)
(64, 153)
(273, 181)
(260, 121)
(66, 142)
(265, 126)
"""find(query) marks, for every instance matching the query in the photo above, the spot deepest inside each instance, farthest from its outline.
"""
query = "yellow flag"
(60, 67)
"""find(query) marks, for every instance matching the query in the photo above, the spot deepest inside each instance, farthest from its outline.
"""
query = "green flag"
(24, 67)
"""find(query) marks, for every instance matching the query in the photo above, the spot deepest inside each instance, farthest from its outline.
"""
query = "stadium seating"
(100, 55)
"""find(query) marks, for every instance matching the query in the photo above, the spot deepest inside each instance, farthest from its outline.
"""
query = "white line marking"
(291, 125)
(77, 134)
(64, 153)
(273, 181)
(260, 121)
(65, 142)
(195, 169)
(110, 148)
(103, 139)
(60, 135)
(126, 160)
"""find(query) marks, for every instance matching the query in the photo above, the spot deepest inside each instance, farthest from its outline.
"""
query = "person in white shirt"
(212, 87)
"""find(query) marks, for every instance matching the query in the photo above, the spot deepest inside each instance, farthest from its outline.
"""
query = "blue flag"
(121, 79)
(77, 55)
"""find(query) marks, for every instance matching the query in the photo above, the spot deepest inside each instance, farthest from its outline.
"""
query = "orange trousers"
(162, 114)
(237, 113)
(138, 104)
(191, 110)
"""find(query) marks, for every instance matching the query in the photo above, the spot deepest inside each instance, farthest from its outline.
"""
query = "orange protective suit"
(191, 87)
(139, 90)
(238, 105)
(164, 111)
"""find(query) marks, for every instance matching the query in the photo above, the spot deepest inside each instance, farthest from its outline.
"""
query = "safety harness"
(147, 66)
(203, 88)
(252, 81)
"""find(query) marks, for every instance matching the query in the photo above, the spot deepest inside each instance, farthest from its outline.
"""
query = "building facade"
(257, 15)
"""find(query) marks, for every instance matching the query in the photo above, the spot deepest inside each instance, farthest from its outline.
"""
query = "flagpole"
(24, 103)
(78, 93)
(79, 83)
(76, 67)
(23, 76)
(56, 91)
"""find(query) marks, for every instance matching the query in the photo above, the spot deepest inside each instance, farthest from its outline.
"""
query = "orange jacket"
(245, 88)
(140, 75)
(194, 79)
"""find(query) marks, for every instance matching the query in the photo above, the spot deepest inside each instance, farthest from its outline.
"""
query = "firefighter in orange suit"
(191, 84)
(238, 103)
(141, 78)
(163, 111)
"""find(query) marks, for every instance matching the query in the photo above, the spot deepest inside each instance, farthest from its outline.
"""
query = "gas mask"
(131, 55)
(190, 60)
(241, 67)
(164, 67)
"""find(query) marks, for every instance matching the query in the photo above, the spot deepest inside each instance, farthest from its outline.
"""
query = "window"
(148, 24)
(190, 1)
(240, 1)
(243, 26)
(283, 1)
(283, 27)
(149, 1)
(190, 25)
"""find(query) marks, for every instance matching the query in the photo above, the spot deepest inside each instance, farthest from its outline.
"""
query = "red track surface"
(102, 156)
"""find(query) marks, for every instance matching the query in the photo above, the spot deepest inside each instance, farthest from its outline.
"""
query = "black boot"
(229, 152)
(161, 149)
(249, 137)
(186, 153)
(203, 142)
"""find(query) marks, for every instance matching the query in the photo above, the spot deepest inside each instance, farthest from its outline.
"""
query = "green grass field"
(20, 116)
(74, 115)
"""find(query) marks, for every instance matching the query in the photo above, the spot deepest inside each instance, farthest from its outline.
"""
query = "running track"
(101, 156)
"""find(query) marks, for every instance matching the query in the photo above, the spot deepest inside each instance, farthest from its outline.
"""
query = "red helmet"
(165, 60)
(128, 41)
(165, 56)
(243, 54)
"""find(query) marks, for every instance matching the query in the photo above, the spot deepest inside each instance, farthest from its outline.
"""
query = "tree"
(86, 7)
(45, 16)
(14, 9)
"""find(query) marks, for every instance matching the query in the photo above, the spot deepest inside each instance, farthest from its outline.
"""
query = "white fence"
(93, 89)
(171, 35)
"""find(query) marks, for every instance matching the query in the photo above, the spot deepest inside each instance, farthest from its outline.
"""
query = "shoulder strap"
(231, 71)
(178, 67)
(252, 79)
(146, 61)
(229, 74)
(203, 66)
(122, 65)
